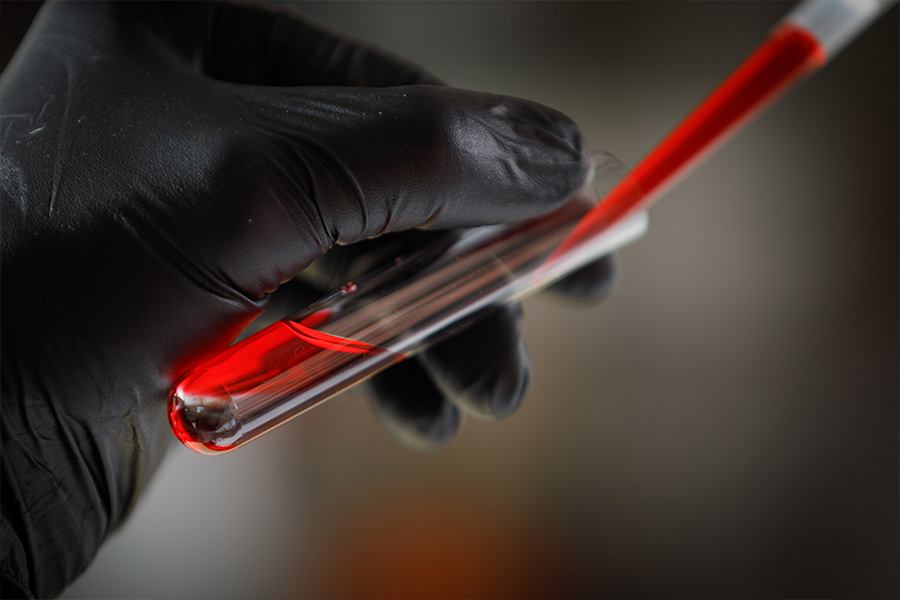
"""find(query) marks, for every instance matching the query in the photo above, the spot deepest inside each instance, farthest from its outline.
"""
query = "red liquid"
(789, 54)
(202, 408)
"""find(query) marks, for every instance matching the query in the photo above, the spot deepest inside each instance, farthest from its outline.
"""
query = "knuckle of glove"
(509, 158)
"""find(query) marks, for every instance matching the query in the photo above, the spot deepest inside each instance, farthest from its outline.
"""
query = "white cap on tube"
(836, 22)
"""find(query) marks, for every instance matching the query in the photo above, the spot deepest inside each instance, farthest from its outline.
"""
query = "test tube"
(367, 326)
(370, 324)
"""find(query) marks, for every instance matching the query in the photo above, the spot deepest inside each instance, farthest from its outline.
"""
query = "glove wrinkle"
(332, 179)
(48, 506)
(178, 258)
(14, 567)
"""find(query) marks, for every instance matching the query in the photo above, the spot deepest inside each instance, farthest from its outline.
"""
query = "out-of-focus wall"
(725, 425)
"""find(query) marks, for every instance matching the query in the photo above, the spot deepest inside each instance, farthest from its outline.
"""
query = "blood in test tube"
(203, 408)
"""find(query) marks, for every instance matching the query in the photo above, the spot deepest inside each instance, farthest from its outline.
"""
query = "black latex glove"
(164, 168)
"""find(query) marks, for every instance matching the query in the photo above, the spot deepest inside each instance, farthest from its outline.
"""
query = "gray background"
(725, 425)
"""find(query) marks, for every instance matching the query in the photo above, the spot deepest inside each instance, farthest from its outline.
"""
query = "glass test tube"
(371, 324)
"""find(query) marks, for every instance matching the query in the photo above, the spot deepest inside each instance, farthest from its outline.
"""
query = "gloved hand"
(164, 168)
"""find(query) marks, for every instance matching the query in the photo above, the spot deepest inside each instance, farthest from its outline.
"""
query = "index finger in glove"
(339, 165)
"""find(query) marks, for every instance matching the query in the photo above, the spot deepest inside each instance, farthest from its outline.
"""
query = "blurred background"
(724, 426)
